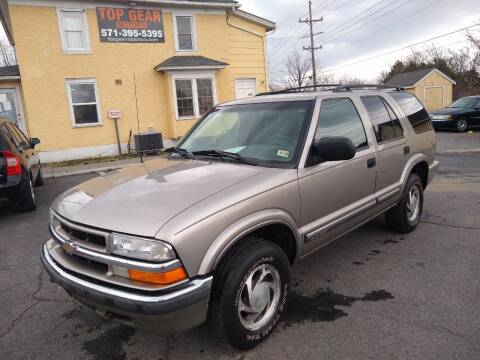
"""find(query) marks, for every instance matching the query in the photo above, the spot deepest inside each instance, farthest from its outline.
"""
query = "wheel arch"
(273, 225)
(417, 164)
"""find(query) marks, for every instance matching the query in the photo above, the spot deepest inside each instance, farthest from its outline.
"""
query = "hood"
(138, 200)
(449, 111)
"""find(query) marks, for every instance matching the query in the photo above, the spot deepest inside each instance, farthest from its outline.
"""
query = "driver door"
(336, 195)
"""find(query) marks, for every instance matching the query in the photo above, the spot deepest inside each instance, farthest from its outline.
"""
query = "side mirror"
(335, 148)
(34, 142)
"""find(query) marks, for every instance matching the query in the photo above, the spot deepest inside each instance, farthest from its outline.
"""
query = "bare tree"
(297, 71)
(7, 54)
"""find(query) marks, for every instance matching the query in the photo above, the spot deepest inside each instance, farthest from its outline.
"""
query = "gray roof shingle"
(409, 78)
(9, 70)
(189, 62)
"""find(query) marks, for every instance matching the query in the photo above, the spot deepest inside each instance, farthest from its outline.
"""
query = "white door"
(246, 88)
(10, 107)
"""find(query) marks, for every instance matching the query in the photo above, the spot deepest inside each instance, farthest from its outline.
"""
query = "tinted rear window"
(416, 113)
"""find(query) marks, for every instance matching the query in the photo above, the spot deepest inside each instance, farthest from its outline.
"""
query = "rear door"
(392, 149)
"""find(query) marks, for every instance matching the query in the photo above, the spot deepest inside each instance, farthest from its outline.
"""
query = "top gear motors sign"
(118, 25)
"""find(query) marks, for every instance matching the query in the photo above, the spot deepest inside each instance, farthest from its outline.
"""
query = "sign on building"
(130, 25)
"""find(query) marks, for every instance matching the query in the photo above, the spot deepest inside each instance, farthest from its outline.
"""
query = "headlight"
(441, 117)
(139, 248)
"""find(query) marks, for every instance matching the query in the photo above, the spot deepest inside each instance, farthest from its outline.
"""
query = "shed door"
(246, 88)
(434, 98)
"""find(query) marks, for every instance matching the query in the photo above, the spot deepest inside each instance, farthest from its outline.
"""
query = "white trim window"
(84, 102)
(73, 30)
(193, 96)
(184, 28)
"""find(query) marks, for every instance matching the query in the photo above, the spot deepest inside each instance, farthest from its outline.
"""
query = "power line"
(335, 29)
(407, 17)
(399, 49)
(368, 22)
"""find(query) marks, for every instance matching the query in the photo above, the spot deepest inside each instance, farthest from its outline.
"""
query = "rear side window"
(9, 136)
(339, 117)
(385, 122)
(19, 135)
(416, 113)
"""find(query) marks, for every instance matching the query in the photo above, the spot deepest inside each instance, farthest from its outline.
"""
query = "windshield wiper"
(225, 154)
(182, 152)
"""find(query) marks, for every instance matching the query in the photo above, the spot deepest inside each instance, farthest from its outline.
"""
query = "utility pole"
(310, 21)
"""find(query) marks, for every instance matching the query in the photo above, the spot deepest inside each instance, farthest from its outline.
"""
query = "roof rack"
(367, 87)
(300, 89)
(333, 87)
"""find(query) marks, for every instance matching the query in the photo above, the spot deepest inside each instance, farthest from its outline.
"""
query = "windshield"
(269, 134)
(464, 103)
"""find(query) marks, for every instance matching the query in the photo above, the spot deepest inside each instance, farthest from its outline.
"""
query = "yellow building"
(158, 64)
(431, 86)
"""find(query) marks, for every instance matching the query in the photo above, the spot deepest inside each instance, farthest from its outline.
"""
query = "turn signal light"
(165, 278)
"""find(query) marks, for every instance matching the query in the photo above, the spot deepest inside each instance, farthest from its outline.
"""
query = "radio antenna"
(138, 120)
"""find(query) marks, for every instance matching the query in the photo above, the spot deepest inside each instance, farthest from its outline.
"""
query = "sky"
(360, 37)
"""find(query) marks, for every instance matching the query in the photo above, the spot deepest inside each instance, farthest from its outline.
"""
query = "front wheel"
(461, 124)
(249, 293)
(405, 217)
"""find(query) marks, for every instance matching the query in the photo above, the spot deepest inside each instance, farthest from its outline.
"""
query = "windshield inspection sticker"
(283, 153)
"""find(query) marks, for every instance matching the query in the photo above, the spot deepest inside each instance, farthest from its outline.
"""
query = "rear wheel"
(462, 124)
(249, 293)
(26, 195)
(405, 217)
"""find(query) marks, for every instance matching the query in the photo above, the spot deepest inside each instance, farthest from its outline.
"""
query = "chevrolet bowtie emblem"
(69, 247)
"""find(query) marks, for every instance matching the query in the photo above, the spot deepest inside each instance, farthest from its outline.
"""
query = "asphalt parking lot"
(373, 294)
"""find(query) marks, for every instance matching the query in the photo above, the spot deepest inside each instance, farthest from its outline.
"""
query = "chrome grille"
(83, 236)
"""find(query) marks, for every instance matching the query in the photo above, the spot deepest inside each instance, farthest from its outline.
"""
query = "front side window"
(84, 105)
(195, 97)
(339, 117)
(73, 28)
(381, 115)
(270, 134)
(185, 35)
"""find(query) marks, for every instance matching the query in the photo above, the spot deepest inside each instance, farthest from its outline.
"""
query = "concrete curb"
(54, 175)
(477, 150)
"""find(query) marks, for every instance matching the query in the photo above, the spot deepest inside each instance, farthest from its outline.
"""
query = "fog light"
(165, 278)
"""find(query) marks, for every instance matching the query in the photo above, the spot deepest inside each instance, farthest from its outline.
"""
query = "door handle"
(406, 150)
(371, 163)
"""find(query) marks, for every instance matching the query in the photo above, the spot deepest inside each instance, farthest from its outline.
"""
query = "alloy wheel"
(413, 203)
(259, 297)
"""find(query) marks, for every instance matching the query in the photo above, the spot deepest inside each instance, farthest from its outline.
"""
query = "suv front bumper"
(173, 311)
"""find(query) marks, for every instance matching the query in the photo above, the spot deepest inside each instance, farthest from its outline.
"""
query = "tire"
(39, 181)
(26, 195)
(405, 217)
(461, 125)
(250, 261)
